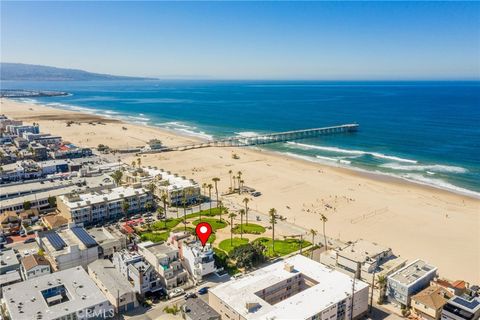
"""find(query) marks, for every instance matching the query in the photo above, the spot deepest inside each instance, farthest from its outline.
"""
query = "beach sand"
(415, 221)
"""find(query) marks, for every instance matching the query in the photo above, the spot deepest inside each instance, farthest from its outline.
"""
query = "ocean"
(426, 132)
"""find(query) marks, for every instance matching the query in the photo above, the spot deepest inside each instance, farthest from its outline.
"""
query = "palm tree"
(139, 162)
(382, 285)
(242, 213)
(246, 200)
(134, 163)
(148, 206)
(125, 207)
(117, 177)
(230, 175)
(215, 181)
(324, 221)
(204, 187)
(186, 193)
(273, 220)
(313, 232)
(210, 187)
(151, 187)
(221, 210)
(231, 216)
(239, 176)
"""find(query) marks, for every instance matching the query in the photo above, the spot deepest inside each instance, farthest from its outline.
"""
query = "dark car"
(29, 240)
(203, 290)
(190, 295)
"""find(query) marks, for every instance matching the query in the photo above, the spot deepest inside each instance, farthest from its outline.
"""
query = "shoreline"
(408, 217)
(383, 176)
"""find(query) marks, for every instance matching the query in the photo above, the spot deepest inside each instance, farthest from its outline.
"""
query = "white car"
(176, 292)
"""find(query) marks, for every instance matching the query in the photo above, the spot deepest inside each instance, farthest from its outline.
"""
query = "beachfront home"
(165, 259)
(463, 307)
(34, 265)
(409, 280)
(102, 205)
(296, 288)
(10, 222)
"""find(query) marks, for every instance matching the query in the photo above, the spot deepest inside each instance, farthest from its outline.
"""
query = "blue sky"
(248, 40)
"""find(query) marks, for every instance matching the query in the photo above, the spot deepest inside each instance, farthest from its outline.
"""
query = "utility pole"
(371, 294)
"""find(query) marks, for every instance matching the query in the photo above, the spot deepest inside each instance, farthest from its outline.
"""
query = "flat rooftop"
(175, 182)
(362, 250)
(158, 249)
(199, 310)
(110, 277)
(412, 272)
(331, 287)
(100, 196)
(28, 299)
(8, 259)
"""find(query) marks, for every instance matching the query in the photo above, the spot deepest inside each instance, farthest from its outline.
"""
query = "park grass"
(214, 223)
(250, 228)
(227, 245)
(155, 236)
(170, 223)
(282, 247)
(205, 213)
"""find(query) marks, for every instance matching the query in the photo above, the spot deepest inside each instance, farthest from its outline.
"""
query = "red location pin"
(203, 231)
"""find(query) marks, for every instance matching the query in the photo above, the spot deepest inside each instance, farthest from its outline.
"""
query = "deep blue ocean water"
(427, 132)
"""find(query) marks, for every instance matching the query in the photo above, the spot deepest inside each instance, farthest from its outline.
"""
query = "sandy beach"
(415, 221)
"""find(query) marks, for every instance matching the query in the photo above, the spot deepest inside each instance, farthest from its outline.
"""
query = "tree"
(239, 177)
(151, 187)
(242, 213)
(172, 310)
(248, 255)
(246, 200)
(324, 221)
(204, 187)
(149, 206)
(382, 286)
(313, 233)
(125, 208)
(139, 162)
(52, 202)
(27, 205)
(215, 181)
(117, 176)
(231, 216)
(209, 186)
(273, 220)
(230, 175)
(186, 195)
(134, 163)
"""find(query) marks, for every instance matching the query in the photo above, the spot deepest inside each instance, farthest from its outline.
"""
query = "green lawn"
(282, 247)
(154, 237)
(205, 213)
(215, 223)
(171, 223)
(228, 246)
(250, 228)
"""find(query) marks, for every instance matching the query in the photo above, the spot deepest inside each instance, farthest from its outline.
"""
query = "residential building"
(197, 309)
(165, 259)
(9, 278)
(362, 256)
(42, 138)
(68, 248)
(54, 221)
(107, 242)
(5, 122)
(296, 288)
(33, 266)
(114, 286)
(197, 259)
(462, 308)
(428, 303)
(101, 205)
(137, 271)
(8, 261)
(10, 222)
(18, 130)
(40, 153)
(177, 188)
(20, 170)
(20, 143)
(409, 280)
(457, 287)
(63, 295)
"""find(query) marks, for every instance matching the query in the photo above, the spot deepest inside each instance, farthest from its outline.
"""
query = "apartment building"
(102, 205)
(463, 307)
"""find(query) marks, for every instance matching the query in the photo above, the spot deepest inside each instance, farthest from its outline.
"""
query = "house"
(33, 266)
(165, 260)
(107, 242)
(114, 286)
(409, 280)
(463, 307)
(428, 303)
(137, 271)
(54, 221)
(295, 288)
(10, 222)
(8, 261)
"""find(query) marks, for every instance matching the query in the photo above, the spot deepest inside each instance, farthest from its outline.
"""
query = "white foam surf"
(428, 168)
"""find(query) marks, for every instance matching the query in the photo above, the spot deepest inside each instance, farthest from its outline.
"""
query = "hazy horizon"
(249, 40)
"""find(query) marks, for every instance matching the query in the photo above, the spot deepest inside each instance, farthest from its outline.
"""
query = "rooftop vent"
(288, 267)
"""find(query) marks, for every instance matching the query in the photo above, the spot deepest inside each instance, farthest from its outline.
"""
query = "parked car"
(256, 193)
(137, 216)
(29, 240)
(148, 214)
(190, 295)
(203, 290)
(176, 292)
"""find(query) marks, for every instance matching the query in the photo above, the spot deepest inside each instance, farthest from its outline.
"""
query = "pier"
(239, 141)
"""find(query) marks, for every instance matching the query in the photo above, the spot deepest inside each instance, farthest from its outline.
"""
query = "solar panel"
(472, 304)
(83, 236)
(56, 241)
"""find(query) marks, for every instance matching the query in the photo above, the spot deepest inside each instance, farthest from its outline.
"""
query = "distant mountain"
(31, 72)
